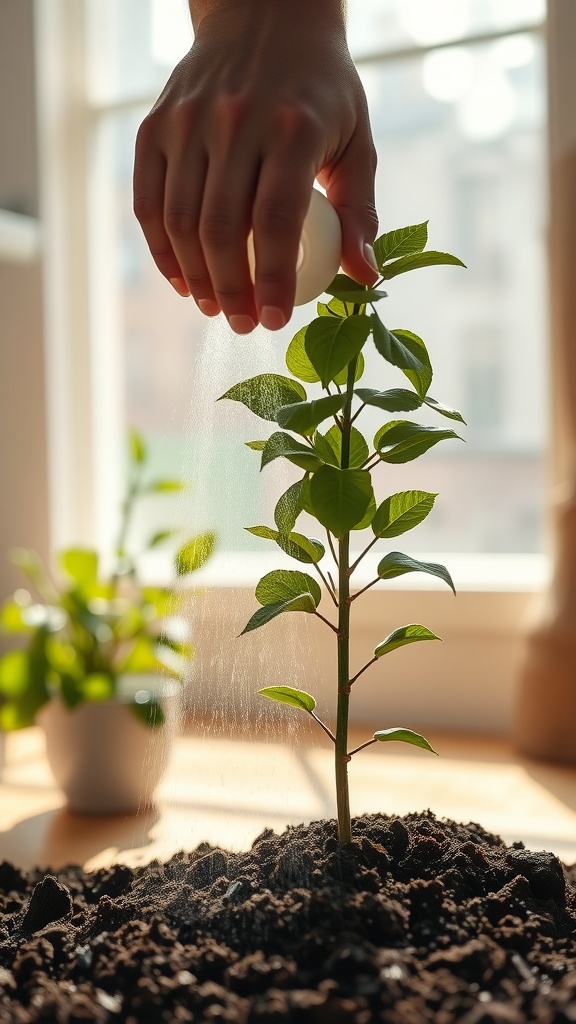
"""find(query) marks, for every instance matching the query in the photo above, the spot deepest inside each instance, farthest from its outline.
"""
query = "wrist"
(332, 12)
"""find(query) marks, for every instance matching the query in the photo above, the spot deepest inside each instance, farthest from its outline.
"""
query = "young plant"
(85, 630)
(336, 488)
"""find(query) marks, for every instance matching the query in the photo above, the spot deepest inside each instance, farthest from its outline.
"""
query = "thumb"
(350, 189)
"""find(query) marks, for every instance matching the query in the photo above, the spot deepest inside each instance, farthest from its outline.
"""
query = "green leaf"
(303, 549)
(140, 657)
(13, 617)
(332, 344)
(394, 400)
(289, 585)
(420, 374)
(160, 537)
(288, 695)
(271, 611)
(256, 446)
(297, 359)
(194, 553)
(81, 564)
(396, 564)
(335, 308)
(349, 291)
(329, 447)
(404, 736)
(304, 417)
(14, 670)
(340, 497)
(342, 377)
(164, 487)
(451, 414)
(288, 508)
(280, 445)
(402, 512)
(366, 520)
(405, 441)
(149, 712)
(264, 394)
(411, 634)
(406, 351)
(15, 715)
(136, 446)
(420, 259)
(401, 242)
(97, 686)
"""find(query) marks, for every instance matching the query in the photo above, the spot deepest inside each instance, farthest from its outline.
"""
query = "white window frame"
(471, 686)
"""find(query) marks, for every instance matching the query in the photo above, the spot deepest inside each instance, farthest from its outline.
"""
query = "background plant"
(84, 631)
(338, 463)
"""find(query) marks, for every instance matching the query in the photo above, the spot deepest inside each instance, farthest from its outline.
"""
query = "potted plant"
(319, 434)
(103, 659)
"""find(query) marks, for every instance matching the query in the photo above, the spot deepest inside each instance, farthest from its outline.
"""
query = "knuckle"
(298, 122)
(144, 209)
(216, 229)
(178, 222)
(274, 216)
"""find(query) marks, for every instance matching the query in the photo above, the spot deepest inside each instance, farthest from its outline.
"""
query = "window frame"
(84, 382)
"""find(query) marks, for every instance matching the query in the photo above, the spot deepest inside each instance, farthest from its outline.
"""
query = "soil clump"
(421, 919)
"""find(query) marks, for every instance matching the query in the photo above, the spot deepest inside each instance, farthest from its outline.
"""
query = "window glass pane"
(460, 137)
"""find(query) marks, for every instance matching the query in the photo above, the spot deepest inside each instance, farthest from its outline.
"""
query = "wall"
(23, 455)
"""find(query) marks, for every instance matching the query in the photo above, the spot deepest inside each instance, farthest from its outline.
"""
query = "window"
(458, 111)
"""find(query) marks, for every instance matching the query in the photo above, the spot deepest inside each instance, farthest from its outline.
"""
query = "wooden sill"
(226, 788)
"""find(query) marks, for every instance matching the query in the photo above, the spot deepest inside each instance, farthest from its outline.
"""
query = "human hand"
(266, 100)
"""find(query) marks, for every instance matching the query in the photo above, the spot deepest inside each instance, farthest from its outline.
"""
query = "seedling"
(320, 435)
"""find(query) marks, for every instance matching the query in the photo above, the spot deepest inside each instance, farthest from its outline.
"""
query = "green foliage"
(412, 634)
(264, 394)
(288, 695)
(84, 630)
(338, 463)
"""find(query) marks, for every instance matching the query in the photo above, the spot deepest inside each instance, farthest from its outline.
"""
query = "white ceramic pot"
(102, 756)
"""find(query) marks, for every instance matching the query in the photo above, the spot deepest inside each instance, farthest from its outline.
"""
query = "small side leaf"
(404, 736)
(304, 417)
(136, 446)
(194, 553)
(297, 359)
(288, 508)
(402, 441)
(332, 344)
(394, 400)
(402, 512)
(271, 611)
(411, 634)
(349, 291)
(397, 564)
(329, 447)
(81, 564)
(401, 242)
(256, 446)
(289, 585)
(444, 410)
(164, 487)
(280, 445)
(288, 695)
(420, 259)
(340, 497)
(264, 394)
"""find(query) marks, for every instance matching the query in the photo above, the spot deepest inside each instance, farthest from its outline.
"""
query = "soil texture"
(421, 919)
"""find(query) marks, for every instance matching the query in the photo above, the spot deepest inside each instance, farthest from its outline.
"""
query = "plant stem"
(341, 747)
(331, 546)
(361, 747)
(323, 726)
(327, 621)
(363, 669)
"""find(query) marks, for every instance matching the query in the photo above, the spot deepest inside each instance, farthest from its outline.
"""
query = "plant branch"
(331, 546)
(325, 727)
(367, 665)
(371, 461)
(361, 747)
(361, 556)
(326, 583)
(327, 621)
(364, 589)
(357, 413)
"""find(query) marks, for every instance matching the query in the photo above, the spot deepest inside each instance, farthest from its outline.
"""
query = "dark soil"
(420, 920)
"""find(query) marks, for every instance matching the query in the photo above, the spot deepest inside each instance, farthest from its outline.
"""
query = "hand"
(266, 100)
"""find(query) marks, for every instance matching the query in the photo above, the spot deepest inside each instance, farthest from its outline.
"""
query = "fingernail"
(208, 307)
(370, 257)
(241, 324)
(179, 285)
(272, 318)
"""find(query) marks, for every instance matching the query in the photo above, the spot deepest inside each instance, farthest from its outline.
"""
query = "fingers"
(281, 205)
(350, 189)
(149, 176)
(184, 188)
